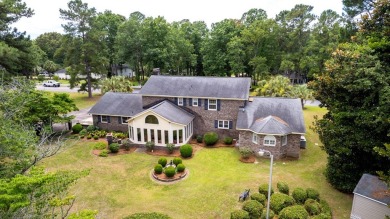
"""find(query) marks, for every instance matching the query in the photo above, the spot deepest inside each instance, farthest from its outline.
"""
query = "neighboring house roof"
(118, 104)
(208, 87)
(272, 115)
(60, 71)
(372, 187)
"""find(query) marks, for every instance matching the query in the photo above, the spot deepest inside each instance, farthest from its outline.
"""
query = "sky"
(47, 15)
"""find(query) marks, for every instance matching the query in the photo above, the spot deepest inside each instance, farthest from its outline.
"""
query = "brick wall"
(292, 149)
(204, 119)
(114, 124)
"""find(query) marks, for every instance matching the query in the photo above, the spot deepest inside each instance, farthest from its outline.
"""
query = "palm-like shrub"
(116, 84)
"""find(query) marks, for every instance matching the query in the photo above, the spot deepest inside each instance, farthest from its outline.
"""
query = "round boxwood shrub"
(283, 188)
(210, 138)
(158, 169)
(162, 161)
(83, 132)
(325, 209)
(228, 140)
(199, 138)
(104, 153)
(264, 214)
(299, 195)
(186, 150)
(95, 137)
(170, 147)
(312, 206)
(239, 214)
(313, 194)
(180, 168)
(114, 147)
(263, 189)
(253, 207)
(151, 215)
(170, 171)
(259, 197)
(77, 128)
(177, 161)
(280, 201)
(294, 212)
(91, 128)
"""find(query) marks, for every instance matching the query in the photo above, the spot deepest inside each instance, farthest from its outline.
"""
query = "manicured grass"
(120, 185)
(82, 101)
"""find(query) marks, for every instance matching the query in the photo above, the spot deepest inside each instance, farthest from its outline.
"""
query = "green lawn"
(82, 101)
(120, 185)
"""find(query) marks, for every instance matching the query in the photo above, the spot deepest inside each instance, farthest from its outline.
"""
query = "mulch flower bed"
(250, 159)
(163, 178)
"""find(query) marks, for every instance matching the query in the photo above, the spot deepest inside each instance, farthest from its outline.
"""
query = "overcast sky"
(47, 15)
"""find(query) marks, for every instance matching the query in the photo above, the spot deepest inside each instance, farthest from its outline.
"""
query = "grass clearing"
(120, 185)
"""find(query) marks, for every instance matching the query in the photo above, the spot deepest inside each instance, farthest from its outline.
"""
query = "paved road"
(63, 88)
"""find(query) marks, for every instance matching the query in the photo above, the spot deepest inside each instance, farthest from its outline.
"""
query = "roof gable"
(118, 104)
(185, 86)
(270, 125)
(372, 187)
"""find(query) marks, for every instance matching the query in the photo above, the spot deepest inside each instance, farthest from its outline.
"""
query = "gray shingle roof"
(287, 116)
(172, 112)
(184, 86)
(372, 187)
(118, 104)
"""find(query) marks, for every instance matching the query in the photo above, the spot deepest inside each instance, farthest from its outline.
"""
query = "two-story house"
(172, 109)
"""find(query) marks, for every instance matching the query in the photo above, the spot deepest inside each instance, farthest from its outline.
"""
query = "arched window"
(269, 140)
(151, 119)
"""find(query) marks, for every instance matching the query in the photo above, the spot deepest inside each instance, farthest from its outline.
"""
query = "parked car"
(51, 83)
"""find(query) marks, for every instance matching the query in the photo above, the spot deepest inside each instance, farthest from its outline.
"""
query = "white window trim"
(193, 102)
(180, 101)
(254, 138)
(267, 138)
(284, 140)
(213, 104)
(101, 119)
(223, 124)
(125, 122)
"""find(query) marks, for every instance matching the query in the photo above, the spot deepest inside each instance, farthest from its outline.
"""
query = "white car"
(51, 83)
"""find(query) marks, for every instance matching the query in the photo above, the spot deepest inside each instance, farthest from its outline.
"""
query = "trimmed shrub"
(239, 214)
(170, 171)
(210, 138)
(253, 207)
(263, 189)
(186, 150)
(299, 195)
(325, 209)
(82, 136)
(158, 169)
(312, 206)
(151, 215)
(170, 147)
(280, 201)
(104, 153)
(199, 138)
(259, 197)
(126, 144)
(149, 145)
(180, 168)
(228, 140)
(162, 161)
(100, 146)
(264, 214)
(77, 128)
(294, 212)
(177, 161)
(313, 194)
(245, 152)
(89, 136)
(114, 147)
(83, 132)
(283, 188)
(96, 137)
(91, 128)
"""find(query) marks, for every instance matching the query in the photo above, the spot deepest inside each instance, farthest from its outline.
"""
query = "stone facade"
(114, 124)
(292, 149)
(204, 120)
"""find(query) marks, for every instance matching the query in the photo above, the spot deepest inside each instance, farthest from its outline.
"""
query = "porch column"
(184, 134)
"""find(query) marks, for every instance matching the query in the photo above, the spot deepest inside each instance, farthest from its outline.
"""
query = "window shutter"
(108, 119)
(199, 102)
(215, 123)
(230, 124)
(119, 120)
(218, 105)
(190, 101)
(99, 118)
(206, 102)
(184, 101)
(176, 101)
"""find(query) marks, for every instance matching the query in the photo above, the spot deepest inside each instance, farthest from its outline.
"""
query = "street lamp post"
(261, 153)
